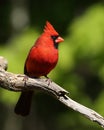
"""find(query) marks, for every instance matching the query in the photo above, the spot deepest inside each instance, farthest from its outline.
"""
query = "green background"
(80, 69)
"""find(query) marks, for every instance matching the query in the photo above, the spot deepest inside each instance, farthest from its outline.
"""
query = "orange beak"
(59, 39)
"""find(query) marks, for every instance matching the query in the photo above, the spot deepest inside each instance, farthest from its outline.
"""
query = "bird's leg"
(25, 79)
(48, 80)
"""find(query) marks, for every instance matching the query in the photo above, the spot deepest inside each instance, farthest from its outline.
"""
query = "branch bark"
(16, 82)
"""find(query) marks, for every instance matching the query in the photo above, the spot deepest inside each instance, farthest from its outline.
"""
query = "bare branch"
(16, 82)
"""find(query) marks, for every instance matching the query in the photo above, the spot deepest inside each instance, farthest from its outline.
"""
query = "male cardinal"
(42, 58)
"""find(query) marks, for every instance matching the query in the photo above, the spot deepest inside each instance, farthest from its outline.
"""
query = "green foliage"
(80, 69)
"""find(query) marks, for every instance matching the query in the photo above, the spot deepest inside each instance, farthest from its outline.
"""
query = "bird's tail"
(24, 103)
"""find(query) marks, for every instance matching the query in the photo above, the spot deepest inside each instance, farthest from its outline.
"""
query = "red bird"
(42, 58)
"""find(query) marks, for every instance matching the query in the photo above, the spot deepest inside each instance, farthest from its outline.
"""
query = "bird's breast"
(48, 55)
(41, 61)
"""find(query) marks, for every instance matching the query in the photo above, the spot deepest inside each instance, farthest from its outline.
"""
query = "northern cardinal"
(42, 58)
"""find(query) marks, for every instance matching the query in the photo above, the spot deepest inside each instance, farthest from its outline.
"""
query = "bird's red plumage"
(49, 29)
(41, 59)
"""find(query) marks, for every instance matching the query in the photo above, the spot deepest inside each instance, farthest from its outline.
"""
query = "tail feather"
(24, 103)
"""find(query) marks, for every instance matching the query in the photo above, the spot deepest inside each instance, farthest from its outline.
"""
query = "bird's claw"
(48, 80)
(25, 79)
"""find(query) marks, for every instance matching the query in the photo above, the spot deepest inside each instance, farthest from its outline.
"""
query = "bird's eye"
(54, 41)
(54, 37)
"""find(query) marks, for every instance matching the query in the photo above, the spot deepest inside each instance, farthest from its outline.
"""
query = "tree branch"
(16, 82)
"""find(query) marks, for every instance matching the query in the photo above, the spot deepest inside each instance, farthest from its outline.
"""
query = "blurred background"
(80, 69)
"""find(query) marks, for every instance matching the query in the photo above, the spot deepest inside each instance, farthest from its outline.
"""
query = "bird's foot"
(48, 80)
(25, 79)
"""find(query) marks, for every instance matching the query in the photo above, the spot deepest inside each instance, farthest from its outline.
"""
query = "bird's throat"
(56, 45)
